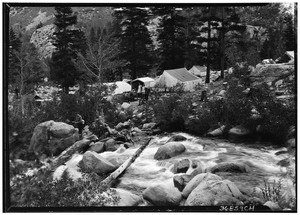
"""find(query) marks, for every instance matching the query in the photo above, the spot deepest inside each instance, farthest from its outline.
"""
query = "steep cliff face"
(38, 23)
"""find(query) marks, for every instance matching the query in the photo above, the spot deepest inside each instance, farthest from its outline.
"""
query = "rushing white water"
(261, 163)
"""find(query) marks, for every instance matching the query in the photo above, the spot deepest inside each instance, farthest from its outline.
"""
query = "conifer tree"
(68, 40)
(136, 44)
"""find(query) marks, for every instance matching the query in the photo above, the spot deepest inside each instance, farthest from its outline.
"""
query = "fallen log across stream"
(114, 175)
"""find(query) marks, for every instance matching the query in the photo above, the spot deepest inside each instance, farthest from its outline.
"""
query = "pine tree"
(68, 42)
(14, 47)
(136, 44)
(170, 37)
(289, 35)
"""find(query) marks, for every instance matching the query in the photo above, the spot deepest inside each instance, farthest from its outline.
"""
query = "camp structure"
(144, 81)
(287, 57)
(170, 78)
(121, 87)
(199, 71)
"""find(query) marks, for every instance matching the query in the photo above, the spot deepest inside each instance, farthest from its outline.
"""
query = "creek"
(261, 162)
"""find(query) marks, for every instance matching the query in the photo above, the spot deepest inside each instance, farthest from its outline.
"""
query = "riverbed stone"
(284, 162)
(181, 166)
(193, 183)
(149, 125)
(180, 181)
(127, 198)
(96, 163)
(229, 167)
(164, 194)
(169, 150)
(214, 192)
(238, 133)
(273, 206)
(176, 138)
(111, 145)
(216, 132)
(97, 147)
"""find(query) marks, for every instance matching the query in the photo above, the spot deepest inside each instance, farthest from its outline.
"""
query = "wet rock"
(181, 166)
(229, 167)
(137, 130)
(92, 138)
(111, 145)
(284, 162)
(176, 138)
(281, 153)
(149, 125)
(169, 150)
(127, 198)
(180, 181)
(217, 132)
(39, 142)
(96, 163)
(164, 194)
(121, 149)
(61, 130)
(238, 133)
(207, 144)
(226, 200)
(214, 192)
(97, 147)
(196, 181)
(198, 170)
(273, 206)
(58, 145)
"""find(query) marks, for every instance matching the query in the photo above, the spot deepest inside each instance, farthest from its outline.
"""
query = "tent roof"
(122, 87)
(200, 67)
(182, 74)
(144, 79)
(290, 54)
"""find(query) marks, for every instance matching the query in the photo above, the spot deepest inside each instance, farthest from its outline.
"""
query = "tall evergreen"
(171, 37)
(289, 34)
(136, 43)
(68, 40)
(14, 47)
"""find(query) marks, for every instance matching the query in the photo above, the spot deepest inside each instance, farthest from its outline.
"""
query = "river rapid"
(261, 162)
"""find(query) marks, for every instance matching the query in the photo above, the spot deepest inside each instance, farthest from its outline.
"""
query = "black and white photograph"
(149, 107)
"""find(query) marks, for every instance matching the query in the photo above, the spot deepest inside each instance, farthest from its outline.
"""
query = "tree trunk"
(125, 165)
(222, 45)
(207, 80)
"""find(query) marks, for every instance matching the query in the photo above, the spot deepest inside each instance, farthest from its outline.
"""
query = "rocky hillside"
(27, 19)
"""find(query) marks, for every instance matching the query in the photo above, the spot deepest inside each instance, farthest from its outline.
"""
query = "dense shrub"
(40, 190)
(88, 103)
(171, 109)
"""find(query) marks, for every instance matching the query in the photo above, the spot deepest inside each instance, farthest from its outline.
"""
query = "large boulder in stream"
(214, 193)
(193, 183)
(176, 138)
(169, 150)
(180, 181)
(127, 198)
(52, 137)
(97, 147)
(181, 166)
(238, 133)
(229, 167)
(94, 162)
(164, 194)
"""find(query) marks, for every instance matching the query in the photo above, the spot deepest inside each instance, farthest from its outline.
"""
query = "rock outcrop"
(164, 194)
(94, 162)
(52, 137)
(169, 150)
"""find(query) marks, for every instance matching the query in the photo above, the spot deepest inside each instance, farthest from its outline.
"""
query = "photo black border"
(5, 153)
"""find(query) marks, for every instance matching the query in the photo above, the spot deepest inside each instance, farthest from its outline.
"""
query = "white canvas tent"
(121, 87)
(146, 81)
(170, 78)
(198, 70)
